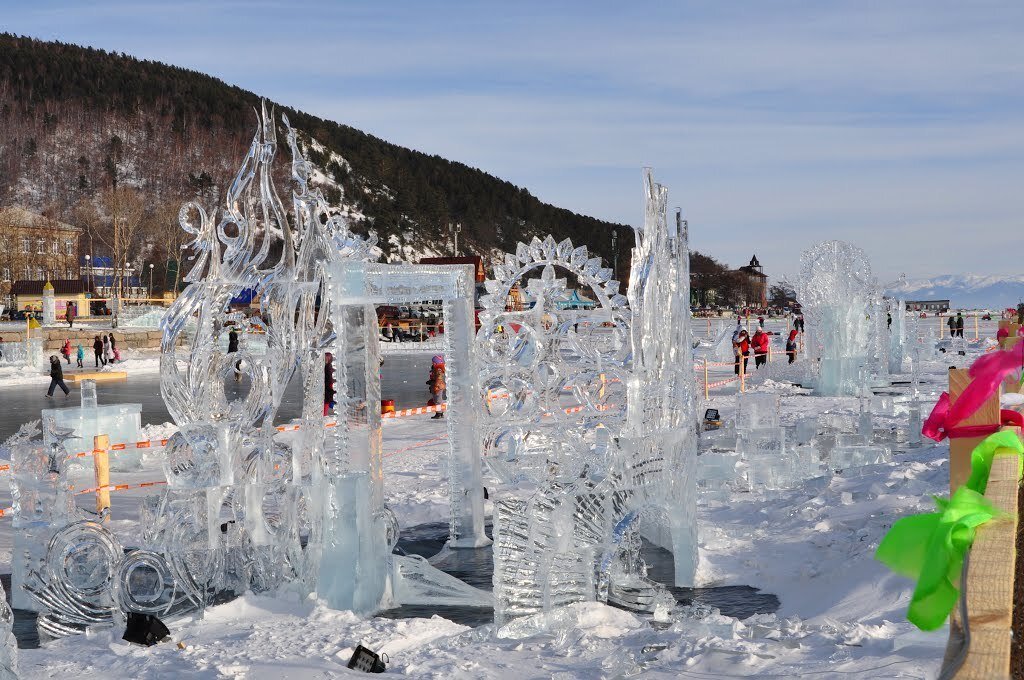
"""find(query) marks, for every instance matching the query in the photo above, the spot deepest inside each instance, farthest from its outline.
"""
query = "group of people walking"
(956, 325)
(760, 344)
(104, 348)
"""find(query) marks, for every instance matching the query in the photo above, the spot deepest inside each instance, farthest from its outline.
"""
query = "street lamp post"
(615, 254)
(150, 281)
(455, 230)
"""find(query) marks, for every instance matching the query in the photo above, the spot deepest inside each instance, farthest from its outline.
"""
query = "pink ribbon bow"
(987, 372)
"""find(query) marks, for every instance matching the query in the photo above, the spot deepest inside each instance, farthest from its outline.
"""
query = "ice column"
(466, 489)
(836, 291)
(353, 560)
(897, 308)
(8, 645)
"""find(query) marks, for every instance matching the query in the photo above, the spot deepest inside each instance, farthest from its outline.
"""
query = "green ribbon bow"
(930, 547)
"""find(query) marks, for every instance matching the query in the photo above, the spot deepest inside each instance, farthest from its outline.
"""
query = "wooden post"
(977, 333)
(960, 448)
(939, 317)
(743, 373)
(101, 464)
(748, 322)
(705, 378)
(990, 577)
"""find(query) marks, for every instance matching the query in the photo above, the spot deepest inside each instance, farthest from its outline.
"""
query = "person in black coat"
(56, 376)
(232, 348)
(97, 349)
(329, 390)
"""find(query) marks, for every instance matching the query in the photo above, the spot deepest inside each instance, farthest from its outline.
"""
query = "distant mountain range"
(967, 291)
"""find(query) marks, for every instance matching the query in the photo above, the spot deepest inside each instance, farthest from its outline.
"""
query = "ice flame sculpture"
(589, 421)
(838, 296)
(239, 501)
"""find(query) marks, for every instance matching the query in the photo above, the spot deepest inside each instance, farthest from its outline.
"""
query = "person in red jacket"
(741, 348)
(791, 345)
(761, 342)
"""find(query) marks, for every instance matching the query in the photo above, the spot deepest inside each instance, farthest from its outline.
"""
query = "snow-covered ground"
(842, 614)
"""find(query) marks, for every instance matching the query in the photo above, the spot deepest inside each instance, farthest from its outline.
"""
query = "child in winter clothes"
(791, 345)
(66, 351)
(436, 383)
(80, 355)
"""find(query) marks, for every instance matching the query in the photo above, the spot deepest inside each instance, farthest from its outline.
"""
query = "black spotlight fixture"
(367, 661)
(144, 629)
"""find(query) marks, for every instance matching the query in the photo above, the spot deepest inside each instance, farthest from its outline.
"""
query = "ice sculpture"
(42, 503)
(238, 502)
(589, 420)
(355, 563)
(8, 645)
(836, 292)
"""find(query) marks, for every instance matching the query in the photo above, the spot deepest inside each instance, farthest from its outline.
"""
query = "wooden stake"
(960, 448)
(101, 464)
(990, 577)
(743, 373)
(977, 333)
(705, 378)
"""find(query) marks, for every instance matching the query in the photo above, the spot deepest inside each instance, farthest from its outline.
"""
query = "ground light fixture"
(367, 661)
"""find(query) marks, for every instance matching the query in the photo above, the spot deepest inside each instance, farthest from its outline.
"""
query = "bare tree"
(122, 211)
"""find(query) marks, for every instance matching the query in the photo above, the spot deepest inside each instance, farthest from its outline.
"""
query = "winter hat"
(438, 360)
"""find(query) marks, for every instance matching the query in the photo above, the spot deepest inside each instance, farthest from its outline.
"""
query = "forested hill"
(76, 121)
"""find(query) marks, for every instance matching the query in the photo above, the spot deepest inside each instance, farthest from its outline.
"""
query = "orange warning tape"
(119, 487)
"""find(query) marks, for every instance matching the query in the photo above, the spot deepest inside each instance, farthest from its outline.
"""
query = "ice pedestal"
(850, 457)
(806, 429)
(757, 410)
(764, 441)
(42, 504)
(716, 470)
(353, 560)
(121, 422)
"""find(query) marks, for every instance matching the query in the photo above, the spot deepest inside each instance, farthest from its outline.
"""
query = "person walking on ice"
(436, 383)
(80, 355)
(791, 345)
(56, 376)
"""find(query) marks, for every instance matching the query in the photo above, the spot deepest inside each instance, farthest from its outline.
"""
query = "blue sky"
(898, 126)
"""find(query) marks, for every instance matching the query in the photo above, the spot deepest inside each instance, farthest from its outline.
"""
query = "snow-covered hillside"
(967, 291)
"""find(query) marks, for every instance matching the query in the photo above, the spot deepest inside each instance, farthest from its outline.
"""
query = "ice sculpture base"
(469, 543)
(414, 581)
(353, 561)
